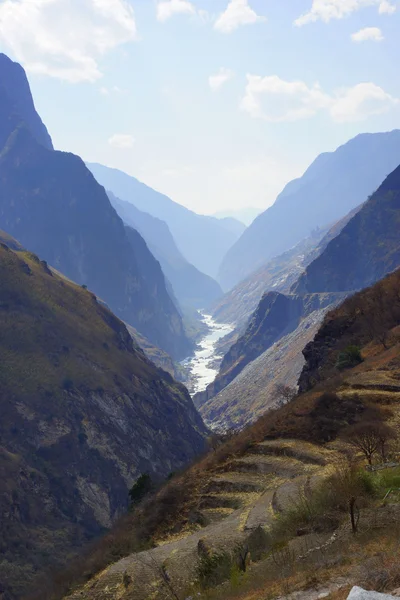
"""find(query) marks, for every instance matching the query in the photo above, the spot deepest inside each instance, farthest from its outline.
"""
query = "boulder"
(358, 593)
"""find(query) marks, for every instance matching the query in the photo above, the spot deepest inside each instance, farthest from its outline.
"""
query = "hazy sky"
(216, 103)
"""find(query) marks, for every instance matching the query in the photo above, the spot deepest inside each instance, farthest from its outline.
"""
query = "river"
(202, 364)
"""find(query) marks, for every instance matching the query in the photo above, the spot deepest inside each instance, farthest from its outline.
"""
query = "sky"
(216, 103)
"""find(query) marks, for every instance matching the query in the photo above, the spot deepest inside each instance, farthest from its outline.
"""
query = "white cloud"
(219, 79)
(237, 13)
(386, 8)
(368, 34)
(360, 102)
(275, 100)
(122, 141)
(65, 38)
(326, 10)
(167, 8)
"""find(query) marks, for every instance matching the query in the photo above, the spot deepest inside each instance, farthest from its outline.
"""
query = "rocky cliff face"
(366, 249)
(333, 185)
(84, 413)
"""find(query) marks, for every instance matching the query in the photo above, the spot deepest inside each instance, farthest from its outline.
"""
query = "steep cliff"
(84, 413)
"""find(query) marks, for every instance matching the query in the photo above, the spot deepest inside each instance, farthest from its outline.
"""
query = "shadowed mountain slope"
(202, 240)
(332, 186)
(84, 413)
(366, 249)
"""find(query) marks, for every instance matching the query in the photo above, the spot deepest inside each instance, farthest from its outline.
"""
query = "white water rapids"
(202, 364)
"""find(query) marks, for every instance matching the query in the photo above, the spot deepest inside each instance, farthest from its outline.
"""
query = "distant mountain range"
(191, 287)
(202, 240)
(53, 205)
(245, 215)
(332, 186)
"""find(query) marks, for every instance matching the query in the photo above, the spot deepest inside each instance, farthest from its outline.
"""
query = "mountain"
(366, 249)
(16, 103)
(233, 225)
(245, 215)
(84, 413)
(203, 240)
(279, 274)
(286, 482)
(53, 205)
(276, 316)
(332, 186)
(191, 287)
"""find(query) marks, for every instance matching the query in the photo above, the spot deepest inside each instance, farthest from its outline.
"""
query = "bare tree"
(369, 438)
(284, 393)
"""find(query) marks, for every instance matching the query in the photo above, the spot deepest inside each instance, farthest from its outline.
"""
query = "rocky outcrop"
(84, 413)
(366, 316)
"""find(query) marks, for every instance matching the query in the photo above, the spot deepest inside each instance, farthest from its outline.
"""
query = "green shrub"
(214, 568)
(142, 487)
(350, 357)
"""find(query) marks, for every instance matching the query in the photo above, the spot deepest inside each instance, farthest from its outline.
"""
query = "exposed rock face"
(16, 103)
(52, 204)
(333, 185)
(366, 249)
(191, 287)
(84, 413)
(203, 240)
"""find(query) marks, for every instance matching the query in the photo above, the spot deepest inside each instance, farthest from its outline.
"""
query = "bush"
(140, 489)
(214, 568)
(350, 357)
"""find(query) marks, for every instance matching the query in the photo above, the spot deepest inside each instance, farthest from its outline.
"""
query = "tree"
(350, 357)
(284, 393)
(369, 438)
(348, 485)
(142, 487)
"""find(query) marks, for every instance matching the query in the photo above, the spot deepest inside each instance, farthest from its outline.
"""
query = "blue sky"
(217, 103)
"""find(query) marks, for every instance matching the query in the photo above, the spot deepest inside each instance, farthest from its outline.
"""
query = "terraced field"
(243, 494)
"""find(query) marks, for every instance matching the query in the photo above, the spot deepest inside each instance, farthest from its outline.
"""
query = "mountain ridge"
(343, 178)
